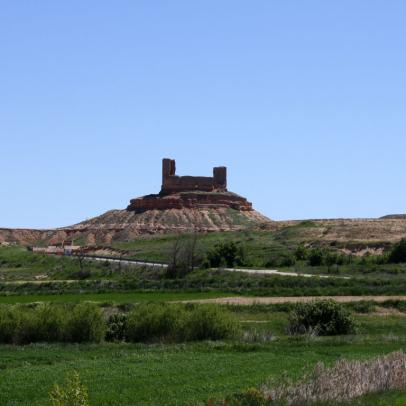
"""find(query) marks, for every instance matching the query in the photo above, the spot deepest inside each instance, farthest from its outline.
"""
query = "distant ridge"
(393, 217)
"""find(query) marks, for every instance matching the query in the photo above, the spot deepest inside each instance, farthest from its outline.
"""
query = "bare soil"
(247, 301)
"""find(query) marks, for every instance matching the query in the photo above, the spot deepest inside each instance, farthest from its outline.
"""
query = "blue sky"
(304, 101)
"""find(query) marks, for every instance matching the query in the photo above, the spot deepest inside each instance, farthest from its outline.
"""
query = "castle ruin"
(190, 192)
(171, 183)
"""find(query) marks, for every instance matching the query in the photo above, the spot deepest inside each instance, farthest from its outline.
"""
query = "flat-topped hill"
(184, 204)
(123, 225)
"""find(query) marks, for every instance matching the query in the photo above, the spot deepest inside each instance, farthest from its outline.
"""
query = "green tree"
(301, 252)
(226, 254)
(316, 257)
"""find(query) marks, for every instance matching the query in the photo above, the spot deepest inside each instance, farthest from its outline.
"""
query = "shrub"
(250, 397)
(283, 259)
(301, 252)
(25, 331)
(315, 257)
(9, 320)
(51, 322)
(226, 254)
(398, 253)
(209, 323)
(116, 327)
(23, 326)
(81, 274)
(85, 324)
(153, 321)
(362, 307)
(324, 317)
(74, 393)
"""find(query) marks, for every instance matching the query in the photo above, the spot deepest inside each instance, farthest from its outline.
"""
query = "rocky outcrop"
(190, 200)
(24, 236)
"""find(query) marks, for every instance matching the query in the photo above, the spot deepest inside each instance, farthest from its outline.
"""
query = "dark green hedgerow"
(51, 323)
(86, 323)
(175, 323)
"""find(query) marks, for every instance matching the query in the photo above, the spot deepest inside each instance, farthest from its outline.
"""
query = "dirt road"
(243, 300)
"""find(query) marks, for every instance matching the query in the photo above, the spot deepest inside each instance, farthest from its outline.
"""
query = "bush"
(116, 327)
(228, 254)
(153, 321)
(315, 257)
(85, 324)
(74, 393)
(23, 326)
(250, 397)
(51, 323)
(362, 307)
(209, 323)
(324, 317)
(283, 259)
(39, 325)
(301, 252)
(398, 253)
(81, 274)
(44, 324)
(9, 322)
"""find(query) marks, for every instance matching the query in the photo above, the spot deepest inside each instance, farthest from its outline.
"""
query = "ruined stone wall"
(220, 178)
(172, 183)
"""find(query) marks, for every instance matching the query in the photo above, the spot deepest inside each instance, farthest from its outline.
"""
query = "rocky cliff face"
(25, 236)
(190, 200)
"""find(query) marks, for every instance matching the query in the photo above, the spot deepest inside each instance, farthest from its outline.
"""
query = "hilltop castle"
(171, 183)
(191, 192)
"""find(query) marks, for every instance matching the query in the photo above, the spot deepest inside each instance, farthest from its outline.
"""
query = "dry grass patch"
(346, 380)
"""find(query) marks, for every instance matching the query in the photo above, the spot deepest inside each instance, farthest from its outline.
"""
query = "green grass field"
(113, 297)
(183, 374)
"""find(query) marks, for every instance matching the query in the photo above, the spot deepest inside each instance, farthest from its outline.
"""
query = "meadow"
(187, 373)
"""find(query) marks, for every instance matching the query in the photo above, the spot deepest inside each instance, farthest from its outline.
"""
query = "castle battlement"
(171, 183)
